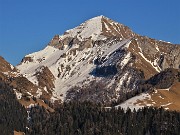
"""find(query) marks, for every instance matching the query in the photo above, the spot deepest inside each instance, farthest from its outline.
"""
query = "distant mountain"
(101, 61)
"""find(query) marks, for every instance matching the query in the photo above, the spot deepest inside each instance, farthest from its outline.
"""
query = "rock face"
(21, 85)
(5, 66)
(100, 61)
(165, 79)
(165, 92)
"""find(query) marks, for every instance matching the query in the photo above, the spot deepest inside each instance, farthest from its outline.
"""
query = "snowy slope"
(91, 28)
(73, 71)
(133, 102)
(100, 50)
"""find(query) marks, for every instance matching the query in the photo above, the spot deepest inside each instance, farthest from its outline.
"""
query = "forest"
(83, 118)
(13, 115)
(76, 118)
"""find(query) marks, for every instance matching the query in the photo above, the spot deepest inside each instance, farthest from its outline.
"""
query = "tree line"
(86, 118)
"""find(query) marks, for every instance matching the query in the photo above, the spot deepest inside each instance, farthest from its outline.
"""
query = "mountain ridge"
(99, 53)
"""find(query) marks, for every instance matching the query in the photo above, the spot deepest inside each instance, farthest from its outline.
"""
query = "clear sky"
(27, 26)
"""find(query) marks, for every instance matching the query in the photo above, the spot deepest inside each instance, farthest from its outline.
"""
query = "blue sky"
(27, 26)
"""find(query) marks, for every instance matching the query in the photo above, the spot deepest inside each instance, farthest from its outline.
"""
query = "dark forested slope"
(12, 114)
(90, 119)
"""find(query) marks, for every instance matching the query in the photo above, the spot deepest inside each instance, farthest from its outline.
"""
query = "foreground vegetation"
(89, 119)
(83, 118)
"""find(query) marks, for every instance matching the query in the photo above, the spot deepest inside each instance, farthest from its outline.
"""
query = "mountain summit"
(97, 28)
(100, 60)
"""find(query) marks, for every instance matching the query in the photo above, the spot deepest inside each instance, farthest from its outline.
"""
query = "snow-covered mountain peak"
(91, 28)
(99, 28)
(99, 50)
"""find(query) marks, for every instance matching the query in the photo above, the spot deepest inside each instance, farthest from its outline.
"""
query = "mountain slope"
(20, 84)
(165, 92)
(100, 61)
(12, 113)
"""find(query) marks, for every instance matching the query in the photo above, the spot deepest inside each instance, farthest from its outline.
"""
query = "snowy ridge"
(91, 28)
(96, 29)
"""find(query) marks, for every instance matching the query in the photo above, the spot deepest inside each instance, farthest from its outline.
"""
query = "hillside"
(99, 51)
(165, 92)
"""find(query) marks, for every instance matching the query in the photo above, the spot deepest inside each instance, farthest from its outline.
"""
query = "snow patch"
(106, 26)
(132, 102)
(166, 104)
(157, 48)
(39, 93)
(18, 94)
(153, 64)
(12, 67)
(125, 60)
(125, 78)
(165, 89)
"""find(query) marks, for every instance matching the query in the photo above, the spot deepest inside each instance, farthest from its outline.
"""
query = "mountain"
(101, 61)
(165, 93)
(10, 75)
